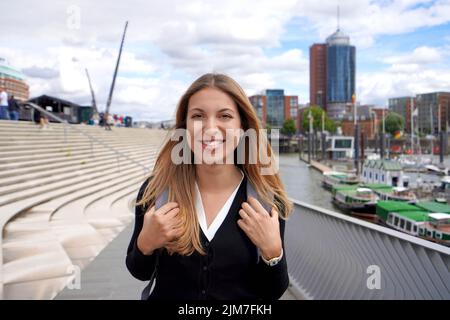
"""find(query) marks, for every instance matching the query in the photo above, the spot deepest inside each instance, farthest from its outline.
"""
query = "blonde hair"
(180, 178)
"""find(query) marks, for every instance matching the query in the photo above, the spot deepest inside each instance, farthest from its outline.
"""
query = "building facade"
(433, 112)
(318, 75)
(13, 81)
(402, 106)
(341, 68)
(259, 102)
(274, 108)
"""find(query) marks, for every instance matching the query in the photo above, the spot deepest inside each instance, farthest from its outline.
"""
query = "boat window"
(396, 221)
(376, 176)
(382, 177)
(402, 223)
(408, 225)
(438, 235)
(364, 173)
(370, 175)
(421, 231)
(390, 218)
(429, 233)
(415, 229)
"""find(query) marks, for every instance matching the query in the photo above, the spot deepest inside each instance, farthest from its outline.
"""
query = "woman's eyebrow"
(201, 110)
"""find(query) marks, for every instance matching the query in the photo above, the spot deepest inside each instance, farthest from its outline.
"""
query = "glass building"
(341, 65)
(275, 107)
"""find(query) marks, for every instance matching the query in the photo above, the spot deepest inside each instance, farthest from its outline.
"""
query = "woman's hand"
(261, 227)
(159, 228)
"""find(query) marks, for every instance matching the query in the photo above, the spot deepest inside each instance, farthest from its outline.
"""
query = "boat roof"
(415, 215)
(439, 216)
(361, 189)
(397, 206)
(377, 186)
(433, 206)
(344, 187)
(387, 165)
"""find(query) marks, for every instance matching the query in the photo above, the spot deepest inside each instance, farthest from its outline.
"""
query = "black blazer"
(230, 270)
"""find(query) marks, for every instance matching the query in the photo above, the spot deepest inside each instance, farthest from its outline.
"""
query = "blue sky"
(402, 47)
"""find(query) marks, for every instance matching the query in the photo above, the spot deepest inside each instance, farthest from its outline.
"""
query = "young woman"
(218, 232)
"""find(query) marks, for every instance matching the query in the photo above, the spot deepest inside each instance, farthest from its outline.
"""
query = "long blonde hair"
(180, 178)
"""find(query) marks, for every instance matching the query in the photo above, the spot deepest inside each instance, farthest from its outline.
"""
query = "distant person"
(211, 229)
(40, 119)
(4, 112)
(14, 108)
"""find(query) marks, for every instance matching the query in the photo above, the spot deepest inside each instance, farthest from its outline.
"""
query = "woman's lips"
(211, 144)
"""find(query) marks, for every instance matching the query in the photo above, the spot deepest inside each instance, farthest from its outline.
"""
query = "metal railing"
(334, 256)
(91, 138)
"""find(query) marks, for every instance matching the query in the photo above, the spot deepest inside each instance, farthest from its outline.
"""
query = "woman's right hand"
(159, 228)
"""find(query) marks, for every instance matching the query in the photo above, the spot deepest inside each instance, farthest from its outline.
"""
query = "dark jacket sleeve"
(273, 281)
(140, 266)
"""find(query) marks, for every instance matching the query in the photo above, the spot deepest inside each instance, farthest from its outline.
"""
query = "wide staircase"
(65, 192)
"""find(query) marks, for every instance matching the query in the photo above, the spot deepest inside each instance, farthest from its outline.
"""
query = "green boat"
(428, 220)
(332, 178)
(355, 199)
(386, 192)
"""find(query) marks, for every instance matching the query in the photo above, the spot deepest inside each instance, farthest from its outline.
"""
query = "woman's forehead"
(211, 99)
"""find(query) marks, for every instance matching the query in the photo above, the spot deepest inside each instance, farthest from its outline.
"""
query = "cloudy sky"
(403, 47)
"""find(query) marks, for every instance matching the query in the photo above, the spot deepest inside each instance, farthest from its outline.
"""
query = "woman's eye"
(227, 116)
(196, 116)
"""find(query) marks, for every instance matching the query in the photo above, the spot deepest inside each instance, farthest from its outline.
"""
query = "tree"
(317, 112)
(393, 123)
(289, 127)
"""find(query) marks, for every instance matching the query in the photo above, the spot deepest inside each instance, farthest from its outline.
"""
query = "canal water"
(302, 183)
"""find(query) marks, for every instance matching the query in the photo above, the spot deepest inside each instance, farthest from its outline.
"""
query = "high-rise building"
(13, 81)
(332, 74)
(318, 75)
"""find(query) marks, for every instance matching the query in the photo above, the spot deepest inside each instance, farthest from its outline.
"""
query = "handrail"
(334, 256)
(90, 137)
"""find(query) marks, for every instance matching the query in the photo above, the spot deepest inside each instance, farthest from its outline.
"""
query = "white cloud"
(420, 55)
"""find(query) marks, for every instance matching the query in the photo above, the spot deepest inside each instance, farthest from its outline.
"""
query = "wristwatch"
(274, 261)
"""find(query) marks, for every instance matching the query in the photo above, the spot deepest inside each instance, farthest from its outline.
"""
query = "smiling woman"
(211, 229)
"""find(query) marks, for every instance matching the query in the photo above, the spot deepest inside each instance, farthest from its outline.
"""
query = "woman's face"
(213, 124)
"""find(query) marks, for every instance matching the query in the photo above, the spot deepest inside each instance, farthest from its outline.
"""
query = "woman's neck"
(217, 177)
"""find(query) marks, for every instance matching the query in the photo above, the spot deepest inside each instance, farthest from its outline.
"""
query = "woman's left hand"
(261, 227)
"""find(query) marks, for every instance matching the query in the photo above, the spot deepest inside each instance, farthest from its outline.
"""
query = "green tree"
(317, 112)
(392, 123)
(288, 127)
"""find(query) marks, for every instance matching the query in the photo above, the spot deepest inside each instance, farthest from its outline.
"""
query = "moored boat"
(417, 220)
(354, 199)
(332, 178)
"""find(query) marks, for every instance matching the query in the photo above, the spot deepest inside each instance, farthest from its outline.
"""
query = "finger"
(241, 223)
(151, 210)
(257, 205)
(171, 214)
(248, 209)
(243, 214)
(176, 232)
(275, 213)
(167, 207)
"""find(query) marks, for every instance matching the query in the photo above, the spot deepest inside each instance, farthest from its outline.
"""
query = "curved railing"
(334, 256)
